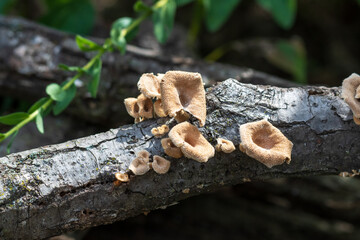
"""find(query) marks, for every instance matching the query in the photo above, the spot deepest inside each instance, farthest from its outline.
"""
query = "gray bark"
(30, 54)
(60, 188)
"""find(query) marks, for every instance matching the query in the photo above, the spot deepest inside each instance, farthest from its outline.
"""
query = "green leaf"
(37, 104)
(139, 6)
(94, 72)
(217, 13)
(71, 16)
(62, 105)
(70, 68)
(2, 136)
(86, 45)
(11, 141)
(14, 118)
(55, 91)
(283, 11)
(119, 35)
(39, 122)
(163, 20)
(180, 3)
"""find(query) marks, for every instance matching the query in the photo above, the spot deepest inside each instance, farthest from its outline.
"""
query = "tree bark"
(69, 186)
(30, 54)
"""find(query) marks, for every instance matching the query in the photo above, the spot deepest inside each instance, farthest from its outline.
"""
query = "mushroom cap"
(122, 177)
(145, 106)
(183, 91)
(158, 109)
(191, 142)
(149, 85)
(357, 93)
(170, 149)
(349, 89)
(160, 131)
(132, 107)
(264, 142)
(140, 165)
(224, 145)
(160, 164)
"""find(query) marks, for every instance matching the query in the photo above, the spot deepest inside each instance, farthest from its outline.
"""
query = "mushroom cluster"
(351, 95)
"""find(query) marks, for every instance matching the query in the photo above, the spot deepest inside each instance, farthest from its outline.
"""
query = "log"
(30, 54)
(69, 186)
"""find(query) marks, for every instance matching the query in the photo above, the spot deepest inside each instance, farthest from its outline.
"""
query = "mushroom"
(122, 177)
(140, 165)
(350, 93)
(160, 131)
(145, 106)
(191, 142)
(183, 91)
(170, 149)
(158, 109)
(264, 142)
(149, 85)
(224, 145)
(132, 107)
(160, 165)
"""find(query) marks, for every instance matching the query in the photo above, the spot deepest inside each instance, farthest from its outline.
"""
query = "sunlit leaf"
(39, 122)
(86, 45)
(163, 20)
(55, 91)
(13, 118)
(94, 72)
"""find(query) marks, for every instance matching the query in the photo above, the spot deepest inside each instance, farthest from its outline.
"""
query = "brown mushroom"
(149, 85)
(158, 109)
(191, 142)
(140, 165)
(264, 142)
(132, 107)
(160, 131)
(224, 145)
(183, 91)
(160, 165)
(357, 94)
(145, 106)
(170, 149)
(350, 89)
(122, 177)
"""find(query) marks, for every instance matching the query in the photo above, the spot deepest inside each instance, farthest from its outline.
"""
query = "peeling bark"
(69, 186)
(30, 54)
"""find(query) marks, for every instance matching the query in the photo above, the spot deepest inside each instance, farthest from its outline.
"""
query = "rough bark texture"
(30, 54)
(68, 186)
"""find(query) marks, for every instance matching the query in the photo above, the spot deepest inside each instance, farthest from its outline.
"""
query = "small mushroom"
(264, 142)
(160, 131)
(149, 85)
(350, 93)
(224, 145)
(170, 149)
(122, 177)
(158, 109)
(132, 107)
(183, 91)
(191, 142)
(145, 106)
(160, 165)
(140, 165)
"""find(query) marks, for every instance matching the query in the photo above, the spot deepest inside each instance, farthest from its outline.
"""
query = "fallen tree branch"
(69, 186)
(30, 54)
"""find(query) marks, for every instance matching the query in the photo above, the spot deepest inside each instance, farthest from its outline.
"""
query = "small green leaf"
(119, 35)
(217, 12)
(11, 141)
(94, 72)
(37, 104)
(86, 45)
(139, 6)
(55, 91)
(70, 68)
(39, 122)
(283, 11)
(13, 118)
(163, 19)
(181, 3)
(62, 105)
(2, 136)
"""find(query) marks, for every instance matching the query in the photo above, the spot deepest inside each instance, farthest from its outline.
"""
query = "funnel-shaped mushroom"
(170, 149)
(224, 145)
(158, 109)
(160, 131)
(191, 142)
(122, 177)
(183, 91)
(264, 142)
(149, 85)
(132, 107)
(140, 165)
(160, 165)
(350, 90)
(145, 106)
